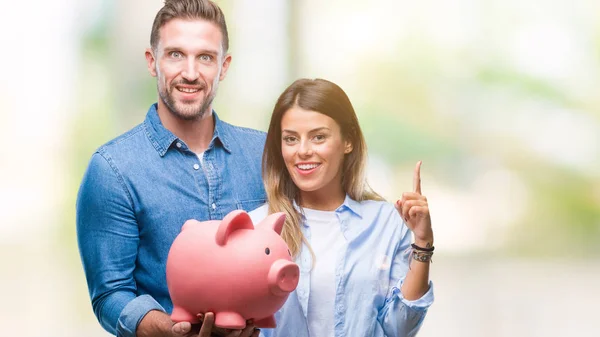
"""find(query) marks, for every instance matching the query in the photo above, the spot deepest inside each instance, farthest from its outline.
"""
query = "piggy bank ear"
(274, 221)
(189, 224)
(233, 221)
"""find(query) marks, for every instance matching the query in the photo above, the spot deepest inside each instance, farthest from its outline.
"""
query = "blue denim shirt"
(136, 194)
(369, 273)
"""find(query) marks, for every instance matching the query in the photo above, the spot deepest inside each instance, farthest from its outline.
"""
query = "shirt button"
(196, 167)
(178, 145)
(214, 206)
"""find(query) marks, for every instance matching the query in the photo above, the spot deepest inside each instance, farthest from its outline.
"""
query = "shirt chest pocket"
(249, 205)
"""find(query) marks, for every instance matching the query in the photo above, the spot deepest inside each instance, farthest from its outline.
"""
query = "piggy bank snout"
(283, 277)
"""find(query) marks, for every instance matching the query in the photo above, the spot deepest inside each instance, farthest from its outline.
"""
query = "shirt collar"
(162, 139)
(350, 214)
(221, 133)
(347, 208)
(351, 205)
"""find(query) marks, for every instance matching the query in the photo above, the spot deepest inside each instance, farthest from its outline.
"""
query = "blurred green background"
(500, 99)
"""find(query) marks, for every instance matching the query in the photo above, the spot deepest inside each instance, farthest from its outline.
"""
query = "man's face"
(189, 62)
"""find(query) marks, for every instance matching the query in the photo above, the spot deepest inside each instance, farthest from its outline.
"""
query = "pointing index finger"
(417, 178)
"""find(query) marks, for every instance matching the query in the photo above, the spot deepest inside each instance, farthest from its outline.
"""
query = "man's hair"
(190, 10)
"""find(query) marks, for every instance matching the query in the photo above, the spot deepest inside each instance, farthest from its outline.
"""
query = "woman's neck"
(322, 201)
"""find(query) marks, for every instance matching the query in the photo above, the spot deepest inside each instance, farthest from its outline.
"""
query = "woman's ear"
(348, 147)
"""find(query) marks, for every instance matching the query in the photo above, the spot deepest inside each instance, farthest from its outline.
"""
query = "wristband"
(415, 247)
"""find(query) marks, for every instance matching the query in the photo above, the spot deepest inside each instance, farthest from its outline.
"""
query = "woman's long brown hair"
(324, 97)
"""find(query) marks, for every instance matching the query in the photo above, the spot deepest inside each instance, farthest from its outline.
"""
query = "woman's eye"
(319, 138)
(289, 139)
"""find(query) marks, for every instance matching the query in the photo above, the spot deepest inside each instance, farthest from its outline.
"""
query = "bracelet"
(422, 256)
(415, 247)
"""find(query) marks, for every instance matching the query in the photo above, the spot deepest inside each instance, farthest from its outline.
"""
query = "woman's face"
(313, 150)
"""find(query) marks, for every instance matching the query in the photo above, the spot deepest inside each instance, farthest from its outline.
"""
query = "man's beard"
(186, 111)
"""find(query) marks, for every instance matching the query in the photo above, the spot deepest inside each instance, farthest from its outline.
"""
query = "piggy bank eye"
(267, 251)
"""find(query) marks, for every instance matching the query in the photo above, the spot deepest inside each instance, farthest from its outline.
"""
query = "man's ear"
(225, 66)
(151, 61)
(348, 147)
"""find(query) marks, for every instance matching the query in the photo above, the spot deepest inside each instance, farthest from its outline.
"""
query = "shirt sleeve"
(401, 317)
(266, 333)
(108, 237)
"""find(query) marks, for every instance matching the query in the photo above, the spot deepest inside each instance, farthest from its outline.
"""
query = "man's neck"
(196, 133)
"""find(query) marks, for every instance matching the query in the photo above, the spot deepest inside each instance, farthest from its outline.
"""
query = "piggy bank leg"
(181, 315)
(267, 322)
(229, 320)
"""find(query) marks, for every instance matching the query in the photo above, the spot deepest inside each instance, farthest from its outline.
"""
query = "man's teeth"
(307, 166)
(188, 90)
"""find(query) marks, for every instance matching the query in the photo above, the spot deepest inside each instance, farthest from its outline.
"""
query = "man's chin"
(190, 116)
(187, 111)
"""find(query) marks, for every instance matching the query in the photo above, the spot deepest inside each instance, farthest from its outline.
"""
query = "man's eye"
(175, 54)
(205, 58)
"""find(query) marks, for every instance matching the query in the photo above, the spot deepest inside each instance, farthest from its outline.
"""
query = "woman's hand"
(413, 208)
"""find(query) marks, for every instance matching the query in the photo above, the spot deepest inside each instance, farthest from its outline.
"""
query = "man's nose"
(191, 71)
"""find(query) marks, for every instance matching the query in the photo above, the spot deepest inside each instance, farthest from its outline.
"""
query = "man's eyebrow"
(168, 49)
(202, 51)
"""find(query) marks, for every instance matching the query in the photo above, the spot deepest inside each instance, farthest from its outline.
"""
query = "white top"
(325, 239)
(201, 157)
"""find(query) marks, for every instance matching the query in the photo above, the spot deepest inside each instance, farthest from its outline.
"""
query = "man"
(181, 163)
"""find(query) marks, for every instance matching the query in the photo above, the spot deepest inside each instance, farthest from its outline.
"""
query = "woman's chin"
(306, 187)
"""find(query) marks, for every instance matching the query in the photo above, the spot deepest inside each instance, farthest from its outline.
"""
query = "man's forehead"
(190, 33)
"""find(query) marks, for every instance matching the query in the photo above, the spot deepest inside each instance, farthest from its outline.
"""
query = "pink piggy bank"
(231, 268)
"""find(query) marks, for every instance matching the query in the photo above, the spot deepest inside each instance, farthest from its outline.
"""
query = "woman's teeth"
(307, 166)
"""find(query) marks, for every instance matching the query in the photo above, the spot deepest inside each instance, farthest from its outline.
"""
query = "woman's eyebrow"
(323, 128)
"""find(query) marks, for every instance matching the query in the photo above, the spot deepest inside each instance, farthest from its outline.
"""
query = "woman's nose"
(305, 149)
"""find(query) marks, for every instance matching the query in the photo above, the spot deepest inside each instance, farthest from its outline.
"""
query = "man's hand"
(207, 329)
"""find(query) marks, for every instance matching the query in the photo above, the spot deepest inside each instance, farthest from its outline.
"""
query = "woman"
(359, 275)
